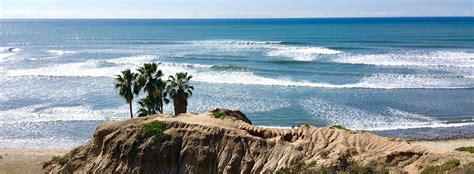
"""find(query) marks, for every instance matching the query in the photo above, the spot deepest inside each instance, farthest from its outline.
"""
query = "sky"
(231, 8)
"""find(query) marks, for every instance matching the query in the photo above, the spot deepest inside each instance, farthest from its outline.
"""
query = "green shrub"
(156, 127)
(467, 149)
(351, 168)
(324, 154)
(340, 127)
(356, 168)
(59, 160)
(301, 168)
(448, 165)
(219, 114)
(307, 125)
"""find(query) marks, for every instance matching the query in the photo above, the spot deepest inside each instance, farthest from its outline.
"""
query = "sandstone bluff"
(203, 144)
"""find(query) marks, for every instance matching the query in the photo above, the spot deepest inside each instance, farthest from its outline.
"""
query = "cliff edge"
(229, 143)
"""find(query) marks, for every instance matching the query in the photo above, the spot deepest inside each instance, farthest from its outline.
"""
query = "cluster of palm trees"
(158, 92)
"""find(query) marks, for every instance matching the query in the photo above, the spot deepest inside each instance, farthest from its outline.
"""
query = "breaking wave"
(6, 52)
(430, 59)
(360, 119)
(60, 52)
(236, 75)
(9, 49)
(237, 42)
(270, 48)
(377, 81)
(302, 53)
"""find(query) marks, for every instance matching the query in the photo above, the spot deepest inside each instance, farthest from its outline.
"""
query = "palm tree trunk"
(131, 112)
(180, 106)
(161, 106)
(176, 107)
(161, 101)
(185, 106)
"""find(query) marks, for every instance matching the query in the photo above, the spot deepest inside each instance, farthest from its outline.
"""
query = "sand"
(445, 145)
(26, 160)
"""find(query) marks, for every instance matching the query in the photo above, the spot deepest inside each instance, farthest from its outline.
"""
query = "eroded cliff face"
(204, 144)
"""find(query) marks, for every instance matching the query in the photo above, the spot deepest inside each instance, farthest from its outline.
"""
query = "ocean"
(400, 77)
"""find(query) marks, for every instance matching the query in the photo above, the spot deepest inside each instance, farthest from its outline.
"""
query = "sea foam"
(7, 52)
(206, 74)
(360, 119)
(433, 59)
(302, 53)
(60, 52)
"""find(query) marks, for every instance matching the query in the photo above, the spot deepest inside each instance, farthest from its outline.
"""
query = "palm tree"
(126, 87)
(150, 81)
(179, 90)
(147, 107)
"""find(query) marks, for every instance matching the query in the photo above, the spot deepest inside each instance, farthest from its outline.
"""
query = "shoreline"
(31, 160)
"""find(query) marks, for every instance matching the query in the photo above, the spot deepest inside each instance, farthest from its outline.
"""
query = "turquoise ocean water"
(401, 77)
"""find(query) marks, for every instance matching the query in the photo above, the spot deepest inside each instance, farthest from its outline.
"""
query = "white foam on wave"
(302, 53)
(377, 81)
(103, 68)
(234, 42)
(203, 73)
(8, 52)
(133, 60)
(4, 56)
(90, 68)
(9, 49)
(358, 119)
(271, 48)
(421, 81)
(430, 59)
(42, 113)
(60, 52)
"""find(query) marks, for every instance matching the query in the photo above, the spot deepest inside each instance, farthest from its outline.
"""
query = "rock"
(203, 144)
(235, 114)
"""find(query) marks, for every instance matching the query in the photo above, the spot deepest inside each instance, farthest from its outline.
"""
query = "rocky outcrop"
(203, 144)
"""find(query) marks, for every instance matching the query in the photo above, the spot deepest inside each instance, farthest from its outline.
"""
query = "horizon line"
(217, 18)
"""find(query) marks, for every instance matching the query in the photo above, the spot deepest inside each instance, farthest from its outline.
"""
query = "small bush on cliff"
(467, 149)
(307, 125)
(356, 168)
(448, 165)
(340, 127)
(219, 114)
(325, 154)
(303, 168)
(156, 127)
(59, 160)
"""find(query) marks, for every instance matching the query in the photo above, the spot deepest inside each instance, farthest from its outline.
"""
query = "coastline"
(31, 160)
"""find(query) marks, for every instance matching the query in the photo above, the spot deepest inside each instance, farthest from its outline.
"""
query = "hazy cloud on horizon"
(231, 8)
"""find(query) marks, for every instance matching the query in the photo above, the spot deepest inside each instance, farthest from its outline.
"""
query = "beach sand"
(27, 160)
(445, 145)
(30, 160)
